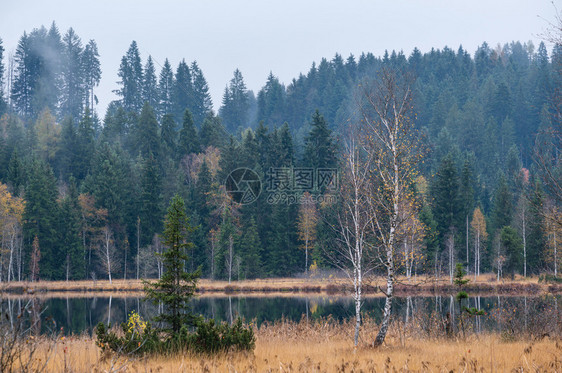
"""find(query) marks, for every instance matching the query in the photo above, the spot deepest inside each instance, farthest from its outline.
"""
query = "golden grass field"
(325, 346)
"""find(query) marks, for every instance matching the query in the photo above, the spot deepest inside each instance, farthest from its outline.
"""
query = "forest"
(83, 194)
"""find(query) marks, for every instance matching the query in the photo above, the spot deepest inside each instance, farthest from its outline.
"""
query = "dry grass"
(326, 346)
(484, 284)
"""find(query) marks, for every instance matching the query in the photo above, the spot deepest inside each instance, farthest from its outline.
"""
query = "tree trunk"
(387, 305)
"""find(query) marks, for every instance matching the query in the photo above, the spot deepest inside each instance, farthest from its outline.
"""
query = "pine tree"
(235, 104)
(131, 75)
(176, 287)
(146, 133)
(70, 221)
(536, 242)
(165, 89)
(41, 220)
(91, 70)
(150, 211)
(73, 94)
(503, 205)
(189, 138)
(202, 105)
(271, 101)
(169, 136)
(86, 145)
(513, 249)
(446, 205)
(251, 250)
(320, 149)
(182, 90)
(150, 86)
(212, 132)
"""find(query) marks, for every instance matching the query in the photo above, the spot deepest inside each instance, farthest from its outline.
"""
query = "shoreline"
(286, 287)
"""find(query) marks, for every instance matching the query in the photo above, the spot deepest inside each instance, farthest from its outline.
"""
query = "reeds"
(325, 345)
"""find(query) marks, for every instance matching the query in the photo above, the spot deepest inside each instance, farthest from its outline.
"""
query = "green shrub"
(138, 337)
(211, 337)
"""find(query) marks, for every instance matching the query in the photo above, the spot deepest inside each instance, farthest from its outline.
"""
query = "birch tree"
(107, 251)
(354, 221)
(308, 218)
(478, 225)
(392, 144)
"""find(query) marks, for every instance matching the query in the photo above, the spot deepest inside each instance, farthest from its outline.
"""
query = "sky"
(263, 36)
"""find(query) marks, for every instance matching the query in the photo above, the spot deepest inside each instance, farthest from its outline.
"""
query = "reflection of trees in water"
(503, 314)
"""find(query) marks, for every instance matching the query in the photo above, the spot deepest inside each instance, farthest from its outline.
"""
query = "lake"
(80, 315)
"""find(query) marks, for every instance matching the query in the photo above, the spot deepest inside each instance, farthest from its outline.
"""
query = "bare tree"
(354, 221)
(393, 145)
(107, 251)
(308, 218)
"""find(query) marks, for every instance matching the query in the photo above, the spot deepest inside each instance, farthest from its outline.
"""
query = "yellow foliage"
(47, 131)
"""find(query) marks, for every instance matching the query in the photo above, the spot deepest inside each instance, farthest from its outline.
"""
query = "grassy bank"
(484, 284)
(325, 346)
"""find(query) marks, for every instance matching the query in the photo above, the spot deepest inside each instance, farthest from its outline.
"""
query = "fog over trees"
(83, 193)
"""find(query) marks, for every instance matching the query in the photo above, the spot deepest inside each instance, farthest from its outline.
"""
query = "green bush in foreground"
(139, 338)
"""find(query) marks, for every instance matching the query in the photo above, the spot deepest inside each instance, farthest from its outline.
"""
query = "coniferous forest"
(83, 194)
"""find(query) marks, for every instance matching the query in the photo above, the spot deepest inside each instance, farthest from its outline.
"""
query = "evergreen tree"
(150, 86)
(189, 138)
(251, 250)
(41, 220)
(503, 205)
(91, 71)
(146, 133)
(212, 132)
(271, 101)
(513, 249)
(73, 94)
(235, 104)
(70, 224)
(202, 105)
(446, 206)
(536, 241)
(320, 148)
(165, 88)
(86, 145)
(168, 136)
(176, 287)
(150, 210)
(131, 79)
(182, 90)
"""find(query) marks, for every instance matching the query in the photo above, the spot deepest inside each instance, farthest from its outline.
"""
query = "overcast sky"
(259, 36)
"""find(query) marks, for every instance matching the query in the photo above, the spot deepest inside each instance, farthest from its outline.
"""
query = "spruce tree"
(150, 86)
(320, 149)
(70, 221)
(41, 220)
(165, 89)
(176, 287)
(189, 138)
(202, 104)
(182, 90)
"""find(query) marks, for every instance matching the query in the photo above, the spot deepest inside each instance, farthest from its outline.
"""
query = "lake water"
(79, 315)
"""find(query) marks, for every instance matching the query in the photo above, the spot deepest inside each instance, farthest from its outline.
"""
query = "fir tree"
(165, 89)
(176, 287)
(189, 139)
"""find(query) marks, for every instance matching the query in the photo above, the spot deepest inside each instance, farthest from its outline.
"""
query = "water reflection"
(81, 315)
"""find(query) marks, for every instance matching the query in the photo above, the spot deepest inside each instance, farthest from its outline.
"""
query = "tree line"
(84, 197)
